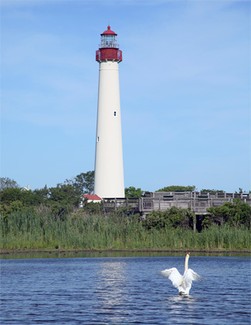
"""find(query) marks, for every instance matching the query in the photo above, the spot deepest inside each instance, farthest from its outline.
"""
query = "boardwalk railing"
(197, 202)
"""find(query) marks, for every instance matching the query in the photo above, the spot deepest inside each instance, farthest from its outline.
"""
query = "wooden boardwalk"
(197, 202)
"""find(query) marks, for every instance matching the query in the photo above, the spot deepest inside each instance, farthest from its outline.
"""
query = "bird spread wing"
(173, 275)
(189, 277)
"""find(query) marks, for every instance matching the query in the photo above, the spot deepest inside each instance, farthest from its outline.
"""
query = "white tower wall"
(109, 173)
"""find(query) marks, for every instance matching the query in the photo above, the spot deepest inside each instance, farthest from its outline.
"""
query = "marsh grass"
(38, 229)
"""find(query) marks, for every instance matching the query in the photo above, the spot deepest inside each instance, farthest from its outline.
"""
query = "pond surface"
(124, 290)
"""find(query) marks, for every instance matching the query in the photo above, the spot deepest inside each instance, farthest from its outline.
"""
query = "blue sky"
(185, 84)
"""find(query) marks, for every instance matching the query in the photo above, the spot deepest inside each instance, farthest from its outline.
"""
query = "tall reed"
(37, 229)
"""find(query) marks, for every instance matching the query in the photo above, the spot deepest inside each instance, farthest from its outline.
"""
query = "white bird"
(182, 282)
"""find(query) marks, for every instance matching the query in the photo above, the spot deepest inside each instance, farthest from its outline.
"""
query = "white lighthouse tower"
(109, 173)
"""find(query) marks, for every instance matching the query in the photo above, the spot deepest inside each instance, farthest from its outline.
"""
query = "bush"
(172, 218)
(236, 214)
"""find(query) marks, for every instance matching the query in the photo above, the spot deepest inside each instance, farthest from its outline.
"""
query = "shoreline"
(94, 251)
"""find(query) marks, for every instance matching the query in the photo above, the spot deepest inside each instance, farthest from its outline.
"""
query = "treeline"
(51, 218)
(61, 199)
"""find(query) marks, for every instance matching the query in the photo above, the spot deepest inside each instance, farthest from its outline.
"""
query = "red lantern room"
(109, 48)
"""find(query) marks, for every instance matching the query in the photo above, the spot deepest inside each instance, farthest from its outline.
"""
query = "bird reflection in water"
(179, 304)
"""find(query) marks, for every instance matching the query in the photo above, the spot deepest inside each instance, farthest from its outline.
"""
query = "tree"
(6, 182)
(236, 213)
(171, 218)
(177, 188)
(63, 198)
(83, 182)
(41, 195)
(10, 195)
(132, 192)
(204, 190)
(14, 199)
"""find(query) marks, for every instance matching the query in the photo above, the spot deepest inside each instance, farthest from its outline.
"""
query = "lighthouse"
(109, 172)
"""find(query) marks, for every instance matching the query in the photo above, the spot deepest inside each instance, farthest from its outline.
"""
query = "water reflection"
(178, 305)
(122, 291)
(110, 290)
(181, 299)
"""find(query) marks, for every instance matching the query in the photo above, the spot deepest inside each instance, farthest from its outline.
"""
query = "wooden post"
(194, 222)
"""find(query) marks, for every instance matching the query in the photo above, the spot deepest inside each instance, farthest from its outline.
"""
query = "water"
(123, 290)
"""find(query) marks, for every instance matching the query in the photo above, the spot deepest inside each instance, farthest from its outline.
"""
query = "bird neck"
(186, 262)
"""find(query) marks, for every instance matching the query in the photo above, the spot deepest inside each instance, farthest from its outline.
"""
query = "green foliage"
(211, 191)
(83, 182)
(9, 195)
(63, 199)
(177, 188)
(133, 192)
(6, 209)
(171, 218)
(235, 214)
(6, 182)
(36, 228)
(50, 218)
(40, 196)
(93, 208)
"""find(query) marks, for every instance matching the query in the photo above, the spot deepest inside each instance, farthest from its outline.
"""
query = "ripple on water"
(123, 291)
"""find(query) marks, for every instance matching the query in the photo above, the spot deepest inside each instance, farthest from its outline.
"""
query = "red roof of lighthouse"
(109, 31)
